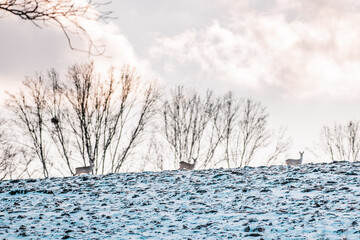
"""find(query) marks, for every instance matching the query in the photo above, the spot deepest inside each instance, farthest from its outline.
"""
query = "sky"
(301, 59)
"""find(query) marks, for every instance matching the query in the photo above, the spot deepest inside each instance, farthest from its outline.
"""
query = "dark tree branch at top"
(69, 15)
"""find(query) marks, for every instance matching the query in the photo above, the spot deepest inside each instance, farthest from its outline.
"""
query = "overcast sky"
(301, 59)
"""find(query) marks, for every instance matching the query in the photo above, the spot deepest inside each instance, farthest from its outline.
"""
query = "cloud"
(303, 48)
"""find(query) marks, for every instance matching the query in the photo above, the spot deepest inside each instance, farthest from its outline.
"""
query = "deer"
(187, 166)
(86, 169)
(293, 162)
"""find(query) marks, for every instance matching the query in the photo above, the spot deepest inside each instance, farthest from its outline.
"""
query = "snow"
(312, 201)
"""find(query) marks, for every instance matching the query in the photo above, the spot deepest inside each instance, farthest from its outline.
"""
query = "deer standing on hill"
(293, 162)
(86, 169)
(188, 166)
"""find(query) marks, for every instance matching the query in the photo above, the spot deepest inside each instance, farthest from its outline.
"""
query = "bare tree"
(225, 124)
(244, 130)
(341, 142)
(253, 133)
(58, 128)
(7, 153)
(83, 111)
(281, 146)
(110, 114)
(147, 108)
(230, 130)
(328, 142)
(89, 117)
(242, 126)
(30, 111)
(352, 133)
(155, 156)
(71, 16)
(185, 117)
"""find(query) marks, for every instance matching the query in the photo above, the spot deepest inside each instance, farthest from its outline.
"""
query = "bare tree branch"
(71, 16)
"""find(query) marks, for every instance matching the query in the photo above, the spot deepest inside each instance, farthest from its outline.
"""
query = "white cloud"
(302, 49)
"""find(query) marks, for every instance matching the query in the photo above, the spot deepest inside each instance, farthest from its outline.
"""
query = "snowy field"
(313, 201)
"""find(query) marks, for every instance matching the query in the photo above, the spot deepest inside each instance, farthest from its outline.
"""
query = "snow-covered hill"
(311, 201)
